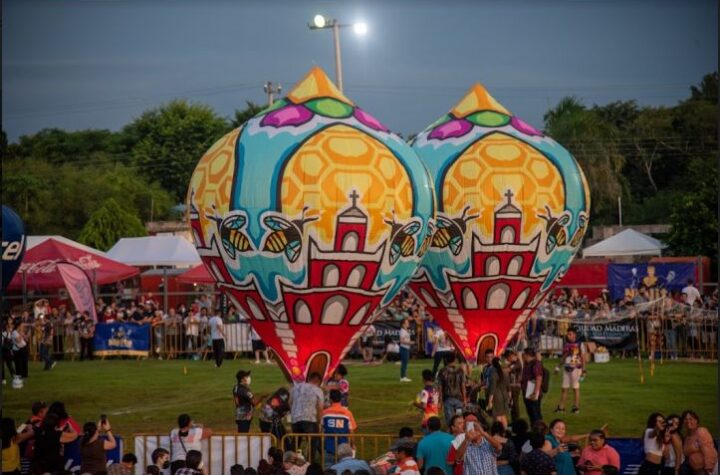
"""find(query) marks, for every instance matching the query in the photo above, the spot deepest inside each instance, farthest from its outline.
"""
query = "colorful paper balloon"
(13, 244)
(513, 207)
(311, 216)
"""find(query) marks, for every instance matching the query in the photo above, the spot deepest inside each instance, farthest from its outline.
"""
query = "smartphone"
(103, 419)
(21, 428)
(571, 447)
(470, 425)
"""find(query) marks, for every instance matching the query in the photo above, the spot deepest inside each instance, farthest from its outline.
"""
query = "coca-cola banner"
(79, 287)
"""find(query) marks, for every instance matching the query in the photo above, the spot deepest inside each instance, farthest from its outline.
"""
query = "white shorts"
(571, 379)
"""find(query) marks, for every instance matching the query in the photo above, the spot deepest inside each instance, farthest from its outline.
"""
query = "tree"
(167, 142)
(242, 116)
(108, 224)
(58, 146)
(593, 142)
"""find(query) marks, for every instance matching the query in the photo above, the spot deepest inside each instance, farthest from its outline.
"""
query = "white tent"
(155, 251)
(626, 243)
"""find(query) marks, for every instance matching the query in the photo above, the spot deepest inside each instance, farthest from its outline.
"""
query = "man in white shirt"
(692, 294)
(217, 334)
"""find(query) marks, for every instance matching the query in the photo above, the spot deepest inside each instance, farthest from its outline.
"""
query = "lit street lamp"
(323, 23)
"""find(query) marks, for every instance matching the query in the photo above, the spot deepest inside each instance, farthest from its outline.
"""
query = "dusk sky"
(100, 63)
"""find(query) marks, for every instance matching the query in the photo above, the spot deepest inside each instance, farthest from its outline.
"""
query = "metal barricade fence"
(313, 446)
(220, 452)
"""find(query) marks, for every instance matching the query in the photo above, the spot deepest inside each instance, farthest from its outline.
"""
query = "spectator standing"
(537, 462)
(452, 381)
(173, 333)
(274, 411)
(93, 447)
(258, 346)
(7, 349)
(47, 452)
(339, 381)
(598, 455)
(158, 326)
(486, 375)
(478, 451)
(366, 343)
(653, 439)
(125, 467)
(86, 329)
(336, 420)
(346, 461)
(573, 370)
(20, 349)
(192, 331)
(428, 399)
(244, 401)
(498, 391)
(674, 457)
(306, 408)
(531, 384)
(217, 334)
(692, 294)
(513, 366)
(442, 349)
(698, 446)
(457, 428)
(432, 450)
(47, 333)
(184, 439)
(405, 345)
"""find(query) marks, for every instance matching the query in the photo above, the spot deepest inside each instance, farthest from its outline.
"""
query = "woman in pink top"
(597, 454)
(698, 446)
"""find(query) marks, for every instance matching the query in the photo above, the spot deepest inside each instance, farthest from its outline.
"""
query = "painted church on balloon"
(312, 216)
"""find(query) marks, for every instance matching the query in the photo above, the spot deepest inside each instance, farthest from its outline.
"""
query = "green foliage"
(167, 142)
(58, 146)
(242, 116)
(60, 199)
(593, 142)
(108, 224)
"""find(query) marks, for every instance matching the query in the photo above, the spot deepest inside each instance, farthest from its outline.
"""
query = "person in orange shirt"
(337, 423)
(698, 446)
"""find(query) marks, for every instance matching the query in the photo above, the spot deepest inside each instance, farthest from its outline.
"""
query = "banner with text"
(618, 335)
(626, 279)
(122, 339)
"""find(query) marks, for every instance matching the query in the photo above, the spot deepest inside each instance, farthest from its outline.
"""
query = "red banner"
(78, 286)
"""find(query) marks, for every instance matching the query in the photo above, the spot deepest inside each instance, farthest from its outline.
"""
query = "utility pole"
(271, 90)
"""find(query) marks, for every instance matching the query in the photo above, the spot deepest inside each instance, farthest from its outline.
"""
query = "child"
(428, 399)
(339, 382)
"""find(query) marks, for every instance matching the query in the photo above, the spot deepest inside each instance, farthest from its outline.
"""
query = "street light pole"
(322, 23)
(338, 59)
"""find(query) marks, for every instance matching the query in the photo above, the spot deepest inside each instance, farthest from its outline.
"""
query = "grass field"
(147, 395)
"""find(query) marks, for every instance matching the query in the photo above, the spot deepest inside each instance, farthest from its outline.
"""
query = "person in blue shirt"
(432, 451)
(347, 461)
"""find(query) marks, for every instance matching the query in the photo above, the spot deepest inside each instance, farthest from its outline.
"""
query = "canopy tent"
(155, 251)
(196, 275)
(39, 265)
(626, 243)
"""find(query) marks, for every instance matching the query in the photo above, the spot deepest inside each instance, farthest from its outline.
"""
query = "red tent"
(40, 271)
(196, 275)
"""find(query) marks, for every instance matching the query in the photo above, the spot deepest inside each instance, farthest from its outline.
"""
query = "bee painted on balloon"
(234, 240)
(286, 236)
(556, 229)
(427, 240)
(580, 231)
(450, 232)
(402, 242)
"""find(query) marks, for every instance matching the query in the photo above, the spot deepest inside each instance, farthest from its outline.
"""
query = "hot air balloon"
(513, 207)
(13, 244)
(311, 216)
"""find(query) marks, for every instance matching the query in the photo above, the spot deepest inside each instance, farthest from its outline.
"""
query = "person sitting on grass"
(598, 455)
(537, 462)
